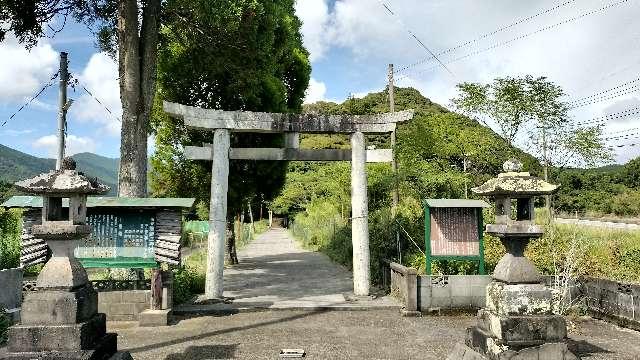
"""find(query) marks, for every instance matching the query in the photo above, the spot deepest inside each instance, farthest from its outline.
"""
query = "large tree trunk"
(137, 51)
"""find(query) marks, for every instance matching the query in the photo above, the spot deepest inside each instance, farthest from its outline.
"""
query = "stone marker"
(60, 320)
(517, 321)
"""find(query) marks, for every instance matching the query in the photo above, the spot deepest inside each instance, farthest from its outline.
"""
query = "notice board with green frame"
(454, 231)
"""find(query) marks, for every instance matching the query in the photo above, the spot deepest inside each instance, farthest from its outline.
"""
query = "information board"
(454, 231)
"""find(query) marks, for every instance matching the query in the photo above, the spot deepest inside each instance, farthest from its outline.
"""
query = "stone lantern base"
(517, 324)
(61, 324)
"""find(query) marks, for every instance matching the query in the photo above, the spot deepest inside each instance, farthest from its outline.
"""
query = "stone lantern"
(517, 321)
(60, 320)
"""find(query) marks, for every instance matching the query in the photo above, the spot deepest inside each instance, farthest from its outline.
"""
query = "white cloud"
(315, 92)
(315, 16)
(100, 77)
(24, 72)
(74, 145)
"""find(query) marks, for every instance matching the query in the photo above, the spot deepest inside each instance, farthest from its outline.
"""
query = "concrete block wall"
(612, 301)
(124, 305)
(451, 291)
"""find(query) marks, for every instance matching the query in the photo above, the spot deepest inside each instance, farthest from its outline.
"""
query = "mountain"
(16, 165)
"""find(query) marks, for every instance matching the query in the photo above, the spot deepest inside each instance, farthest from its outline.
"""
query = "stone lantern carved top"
(64, 181)
(515, 182)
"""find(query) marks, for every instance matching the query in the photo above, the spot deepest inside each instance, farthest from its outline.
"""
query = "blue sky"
(351, 42)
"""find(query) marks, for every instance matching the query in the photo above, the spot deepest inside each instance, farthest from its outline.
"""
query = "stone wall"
(612, 301)
(11, 294)
(123, 305)
(447, 292)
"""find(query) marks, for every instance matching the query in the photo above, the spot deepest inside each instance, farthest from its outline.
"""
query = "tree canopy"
(232, 55)
(534, 105)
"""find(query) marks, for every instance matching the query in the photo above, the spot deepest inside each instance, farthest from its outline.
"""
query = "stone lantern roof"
(515, 182)
(64, 181)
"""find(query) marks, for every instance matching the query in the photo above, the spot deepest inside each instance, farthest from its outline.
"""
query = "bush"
(10, 230)
(187, 283)
(626, 204)
(5, 322)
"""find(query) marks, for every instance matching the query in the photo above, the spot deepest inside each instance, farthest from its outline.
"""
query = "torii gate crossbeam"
(222, 123)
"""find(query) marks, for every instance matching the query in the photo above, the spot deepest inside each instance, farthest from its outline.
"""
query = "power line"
(605, 97)
(604, 91)
(47, 85)
(622, 131)
(610, 117)
(507, 42)
(486, 35)
(413, 35)
(106, 108)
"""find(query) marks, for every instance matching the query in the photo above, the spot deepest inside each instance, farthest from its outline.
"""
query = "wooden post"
(217, 214)
(360, 216)
(156, 289)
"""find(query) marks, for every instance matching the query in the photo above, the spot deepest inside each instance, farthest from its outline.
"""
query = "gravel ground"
(381, 334)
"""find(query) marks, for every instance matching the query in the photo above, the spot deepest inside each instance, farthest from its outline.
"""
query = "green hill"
(16, 165)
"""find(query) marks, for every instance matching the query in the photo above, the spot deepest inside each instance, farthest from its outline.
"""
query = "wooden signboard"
(453, 231)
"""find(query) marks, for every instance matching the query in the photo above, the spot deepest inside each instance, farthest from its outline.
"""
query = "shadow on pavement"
(220, 332)
(583, 348)
(205, 352)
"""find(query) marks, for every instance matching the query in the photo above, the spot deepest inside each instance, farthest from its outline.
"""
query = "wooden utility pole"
(62, 105)
(394, 164)
(547, 198)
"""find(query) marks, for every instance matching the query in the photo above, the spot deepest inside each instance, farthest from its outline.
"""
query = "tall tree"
(514, 103)
(229, 55)
(126, 27)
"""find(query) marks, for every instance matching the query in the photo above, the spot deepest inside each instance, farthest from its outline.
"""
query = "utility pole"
(62, 115)
(547, 198)
(394, 165)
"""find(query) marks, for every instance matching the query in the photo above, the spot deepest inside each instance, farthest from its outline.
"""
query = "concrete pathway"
(276, 273)
(340, 335)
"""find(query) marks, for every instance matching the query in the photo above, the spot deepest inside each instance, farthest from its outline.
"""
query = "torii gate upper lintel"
(222, 123)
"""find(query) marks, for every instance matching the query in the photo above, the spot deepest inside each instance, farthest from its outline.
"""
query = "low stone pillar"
(359, 216)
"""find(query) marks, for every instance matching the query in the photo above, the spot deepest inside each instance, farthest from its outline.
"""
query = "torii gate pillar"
(217, 214)
(359, 216)
(223, 122)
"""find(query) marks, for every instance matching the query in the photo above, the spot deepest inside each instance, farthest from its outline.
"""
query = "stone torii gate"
(222, 123)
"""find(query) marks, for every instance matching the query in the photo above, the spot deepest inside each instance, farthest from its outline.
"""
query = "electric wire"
(507, 42)
(486, 35)
(75, 82)
(25, 105)
(413, 35)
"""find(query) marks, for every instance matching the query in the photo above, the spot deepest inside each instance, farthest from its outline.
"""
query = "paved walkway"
(340, 335)
(276, 273)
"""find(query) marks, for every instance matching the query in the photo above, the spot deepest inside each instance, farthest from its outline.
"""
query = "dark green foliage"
(230, 55)
(601, 191)
(10, 230)
(430, 151)
(187, 283)
(16, 165)
(5, 322)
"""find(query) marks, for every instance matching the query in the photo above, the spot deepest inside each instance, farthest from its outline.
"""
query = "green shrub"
(187, 283)
(5, 322)
(626, 204)
(10, 230)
